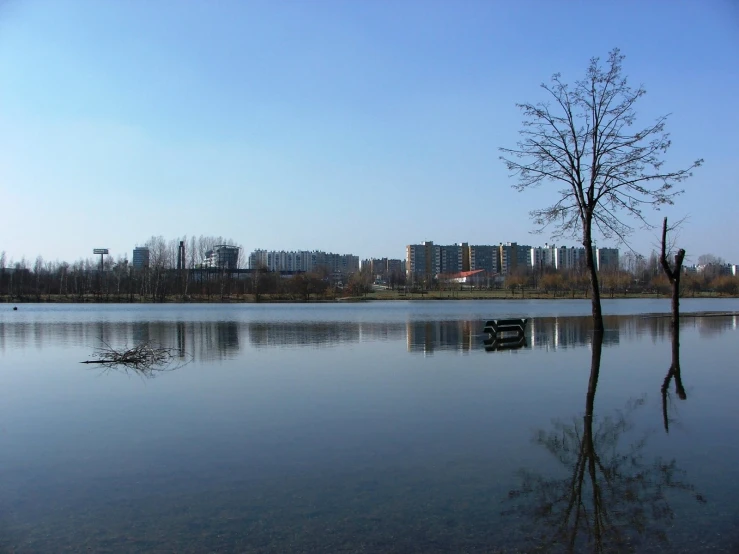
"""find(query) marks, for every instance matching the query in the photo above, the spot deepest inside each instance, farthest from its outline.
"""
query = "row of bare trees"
(646, 279)
(118, 281)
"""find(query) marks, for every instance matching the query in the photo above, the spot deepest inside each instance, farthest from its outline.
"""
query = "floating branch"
(145, 359)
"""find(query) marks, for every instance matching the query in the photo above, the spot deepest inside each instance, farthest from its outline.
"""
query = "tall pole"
(102, 252)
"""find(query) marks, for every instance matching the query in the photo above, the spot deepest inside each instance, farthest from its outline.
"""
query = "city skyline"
(349, 127)
(139, 255)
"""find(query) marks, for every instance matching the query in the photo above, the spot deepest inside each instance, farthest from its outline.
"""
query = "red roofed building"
(478, 276)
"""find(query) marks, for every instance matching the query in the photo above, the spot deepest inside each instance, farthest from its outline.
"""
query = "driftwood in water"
(145, 358)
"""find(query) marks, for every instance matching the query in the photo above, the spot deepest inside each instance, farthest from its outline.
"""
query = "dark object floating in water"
(504, 334)
(495, 326)
(15, 308)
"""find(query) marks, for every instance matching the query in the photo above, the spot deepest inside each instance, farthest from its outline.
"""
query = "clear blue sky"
(345, 126)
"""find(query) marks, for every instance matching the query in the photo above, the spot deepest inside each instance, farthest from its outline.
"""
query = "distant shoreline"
(369, 298)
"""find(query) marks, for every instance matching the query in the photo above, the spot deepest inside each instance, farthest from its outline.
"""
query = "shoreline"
(369, 298)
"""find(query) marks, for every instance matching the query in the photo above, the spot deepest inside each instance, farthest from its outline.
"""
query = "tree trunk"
(676, 300)
(673, 274)
(594, 285)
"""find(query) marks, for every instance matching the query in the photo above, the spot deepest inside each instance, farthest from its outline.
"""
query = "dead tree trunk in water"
(673, 274)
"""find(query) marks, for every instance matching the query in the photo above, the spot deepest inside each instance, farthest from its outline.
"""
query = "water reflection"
(673, 373)
(212, 340)
(504, 343)
(610, 498)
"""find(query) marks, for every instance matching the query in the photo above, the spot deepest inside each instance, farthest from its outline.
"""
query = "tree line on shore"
(116, 280)
(161, 281)
(636, 275)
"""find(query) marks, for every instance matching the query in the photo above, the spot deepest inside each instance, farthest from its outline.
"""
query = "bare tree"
(673, 274)
(2, 270)
(709, 259)
(158, 264)
(582, 140)
(38, 267)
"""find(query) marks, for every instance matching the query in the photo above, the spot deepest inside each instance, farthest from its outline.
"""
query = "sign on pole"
(102, 252)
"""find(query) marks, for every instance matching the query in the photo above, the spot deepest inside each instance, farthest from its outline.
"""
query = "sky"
(345, 126)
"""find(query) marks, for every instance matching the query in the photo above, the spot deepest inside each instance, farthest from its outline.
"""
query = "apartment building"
(560, 258)
(544, 257)
(570, 259)
(563, 258)
(431, 259)
(140, 258)
(513, 256)
(421, 259)
(303, 260)
(484, 257)
(606, 259)
(383, 267)
(222, 256)
(454, 258)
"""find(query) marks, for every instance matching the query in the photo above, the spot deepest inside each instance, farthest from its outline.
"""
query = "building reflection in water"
(553, 333)
(207, 340)
(547, 333)
(428, 336)
(320, 334)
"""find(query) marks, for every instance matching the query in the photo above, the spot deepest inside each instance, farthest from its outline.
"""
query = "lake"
(377, 427)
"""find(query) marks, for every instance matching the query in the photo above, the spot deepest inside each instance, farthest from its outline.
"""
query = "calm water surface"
(385, 427)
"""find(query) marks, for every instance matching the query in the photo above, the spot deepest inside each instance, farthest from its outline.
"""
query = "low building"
(474, 277)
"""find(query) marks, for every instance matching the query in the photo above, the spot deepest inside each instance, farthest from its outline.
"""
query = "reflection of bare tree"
(611, 498)
(673, 373)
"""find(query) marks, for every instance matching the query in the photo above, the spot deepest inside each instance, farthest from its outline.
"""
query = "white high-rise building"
(303, 260)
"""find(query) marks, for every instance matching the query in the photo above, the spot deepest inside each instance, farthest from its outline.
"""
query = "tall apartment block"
(606, 259)
(429, 259)
(566, 259)
(570, 259)
(484, 257)
(514, 256)
(140, 258)
(420, 259)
